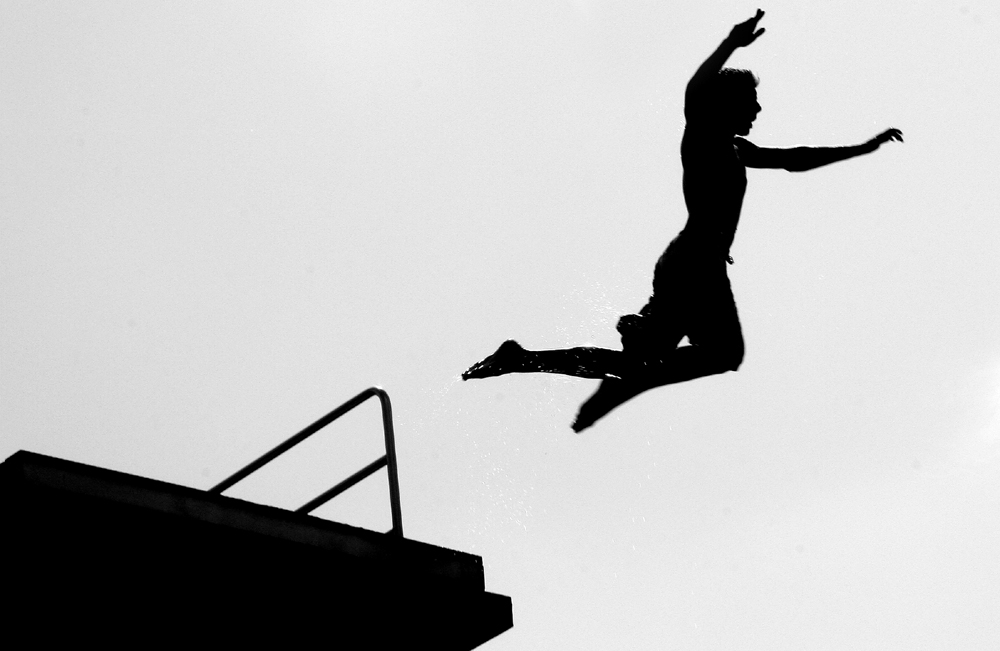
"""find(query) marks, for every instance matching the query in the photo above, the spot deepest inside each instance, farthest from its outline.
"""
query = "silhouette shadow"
(692, 295)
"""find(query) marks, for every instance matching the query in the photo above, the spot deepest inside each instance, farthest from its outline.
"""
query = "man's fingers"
(744, 32)
(890, 134)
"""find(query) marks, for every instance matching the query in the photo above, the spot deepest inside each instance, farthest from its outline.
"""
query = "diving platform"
(95, 554)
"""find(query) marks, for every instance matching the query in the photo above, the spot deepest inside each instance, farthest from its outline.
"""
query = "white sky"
(220, 220)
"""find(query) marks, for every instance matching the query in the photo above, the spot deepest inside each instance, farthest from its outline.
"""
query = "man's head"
(733, 100)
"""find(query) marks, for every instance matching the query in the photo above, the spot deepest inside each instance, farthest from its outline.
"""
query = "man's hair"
(730, 83)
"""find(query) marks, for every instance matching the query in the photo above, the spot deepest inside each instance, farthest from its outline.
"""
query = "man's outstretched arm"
(800, 159)
(742, 35)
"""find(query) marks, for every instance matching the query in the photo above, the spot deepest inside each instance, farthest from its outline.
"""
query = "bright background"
(220, 220)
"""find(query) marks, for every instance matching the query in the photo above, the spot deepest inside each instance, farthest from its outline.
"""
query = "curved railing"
(388, 459)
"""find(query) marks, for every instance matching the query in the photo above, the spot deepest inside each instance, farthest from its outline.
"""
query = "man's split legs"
(623, 375)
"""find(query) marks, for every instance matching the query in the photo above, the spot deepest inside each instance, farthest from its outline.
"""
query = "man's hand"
(884, 137)
(743, 34)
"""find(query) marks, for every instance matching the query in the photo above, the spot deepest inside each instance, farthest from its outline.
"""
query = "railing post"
(390, 454)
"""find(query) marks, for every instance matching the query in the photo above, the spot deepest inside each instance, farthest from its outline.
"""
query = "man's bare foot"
(610, 394)
(507, 359)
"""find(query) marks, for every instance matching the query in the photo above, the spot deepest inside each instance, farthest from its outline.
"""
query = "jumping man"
(691, 292)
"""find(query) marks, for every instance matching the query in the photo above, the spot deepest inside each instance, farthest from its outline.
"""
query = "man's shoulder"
(703, 140)
(743, 145)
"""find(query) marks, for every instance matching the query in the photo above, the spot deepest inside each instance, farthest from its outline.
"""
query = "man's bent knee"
(732, 357)
(722, 360)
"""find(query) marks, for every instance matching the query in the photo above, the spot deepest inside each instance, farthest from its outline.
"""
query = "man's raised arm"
(742, 35)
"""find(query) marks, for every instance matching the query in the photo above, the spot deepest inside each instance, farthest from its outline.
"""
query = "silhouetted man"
(691, 292)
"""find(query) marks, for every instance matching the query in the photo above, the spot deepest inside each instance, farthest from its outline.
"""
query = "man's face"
(745, 111)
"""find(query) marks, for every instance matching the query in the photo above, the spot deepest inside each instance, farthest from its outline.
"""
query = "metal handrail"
(388, 460)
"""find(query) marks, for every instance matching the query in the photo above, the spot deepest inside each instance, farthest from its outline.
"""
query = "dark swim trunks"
(691, 297)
